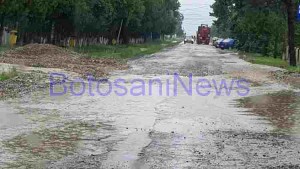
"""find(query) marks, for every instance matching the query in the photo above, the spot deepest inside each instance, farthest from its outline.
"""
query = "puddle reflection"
(282, 109)
(35, 149)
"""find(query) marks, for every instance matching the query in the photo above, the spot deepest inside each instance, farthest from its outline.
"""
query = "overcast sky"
(196, 12)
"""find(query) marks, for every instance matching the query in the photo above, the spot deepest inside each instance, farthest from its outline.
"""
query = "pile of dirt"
(50, 56)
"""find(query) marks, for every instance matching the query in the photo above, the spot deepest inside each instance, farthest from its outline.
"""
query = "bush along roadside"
(291, 76)
(122, 52)
(269, 61)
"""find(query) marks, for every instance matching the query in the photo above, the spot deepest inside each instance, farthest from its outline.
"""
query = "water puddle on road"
(282, 109)
(35, 149)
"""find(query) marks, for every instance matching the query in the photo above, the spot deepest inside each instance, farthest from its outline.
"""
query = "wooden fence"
(285, 55)
(65, 41)
(5, 37)
(78, 41)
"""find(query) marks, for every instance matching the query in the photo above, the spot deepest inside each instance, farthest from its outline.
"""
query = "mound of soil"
(50, 56)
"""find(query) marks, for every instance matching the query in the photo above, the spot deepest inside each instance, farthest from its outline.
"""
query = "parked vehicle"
(189, 39)
(203, 34)
(227, 44)
(214, 40)
(217, 43)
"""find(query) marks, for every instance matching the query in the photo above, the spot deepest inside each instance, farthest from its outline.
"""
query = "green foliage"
(73, 17)
(9, 74)
(3, 49)
(270, 61)
(125, 51)
(162, 16)
(258, 26)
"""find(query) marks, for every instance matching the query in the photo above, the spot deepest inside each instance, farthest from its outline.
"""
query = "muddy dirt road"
(255, 126)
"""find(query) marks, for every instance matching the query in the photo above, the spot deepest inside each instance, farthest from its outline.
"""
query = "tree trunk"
(125, 32)
(1, 28)
(113, 33)
(52, 34)
(290, 5)
(125, 35)
(1, 34)
(275, 54)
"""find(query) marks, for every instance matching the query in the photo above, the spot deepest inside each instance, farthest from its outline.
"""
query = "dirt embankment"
(258, 77)
(262, 76)
(50, 56)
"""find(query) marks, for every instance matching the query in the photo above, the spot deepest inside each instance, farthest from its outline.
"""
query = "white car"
(189, 39)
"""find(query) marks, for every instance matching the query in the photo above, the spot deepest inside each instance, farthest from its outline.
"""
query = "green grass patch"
(124, 51)
(293, 69)
(270, 61)
(9, 74)
(38, 65)
(4, 48)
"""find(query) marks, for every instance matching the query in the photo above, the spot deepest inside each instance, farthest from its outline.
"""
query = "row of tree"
(261, 26)
(59, 19)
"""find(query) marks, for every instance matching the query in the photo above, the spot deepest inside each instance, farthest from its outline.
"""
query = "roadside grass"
(125, 51)
(8, 74)
(270, 61)
(4, 48)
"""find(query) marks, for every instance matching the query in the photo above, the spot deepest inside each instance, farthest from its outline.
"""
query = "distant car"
(217, 43)
(227, 44)
(189, 39)
(214, 40)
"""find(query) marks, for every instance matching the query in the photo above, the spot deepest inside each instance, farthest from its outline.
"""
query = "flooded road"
(151, 128)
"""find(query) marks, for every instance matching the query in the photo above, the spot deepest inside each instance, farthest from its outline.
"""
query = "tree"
(290, 6)
(59, 19)
(258, 25)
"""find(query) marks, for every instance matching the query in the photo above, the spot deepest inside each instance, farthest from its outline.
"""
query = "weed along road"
(189, 106)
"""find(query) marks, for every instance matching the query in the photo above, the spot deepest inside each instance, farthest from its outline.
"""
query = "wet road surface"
(258, 130)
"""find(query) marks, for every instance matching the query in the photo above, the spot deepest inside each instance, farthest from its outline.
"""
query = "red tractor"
(203, 34)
